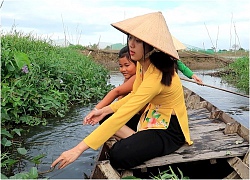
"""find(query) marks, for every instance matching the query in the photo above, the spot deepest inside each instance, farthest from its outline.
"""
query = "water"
(57, 137)
(61, 135)
(235, 105)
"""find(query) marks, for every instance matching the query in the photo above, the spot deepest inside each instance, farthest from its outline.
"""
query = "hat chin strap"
(151, 52)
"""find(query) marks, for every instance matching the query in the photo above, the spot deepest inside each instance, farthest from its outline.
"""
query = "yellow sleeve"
(148, 89)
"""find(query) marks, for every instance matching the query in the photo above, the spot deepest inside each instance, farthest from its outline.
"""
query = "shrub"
(41, 80)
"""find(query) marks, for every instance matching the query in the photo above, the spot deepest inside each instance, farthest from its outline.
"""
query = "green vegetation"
(13, 154)
(238, 74)
(167, 174)
(39, 80)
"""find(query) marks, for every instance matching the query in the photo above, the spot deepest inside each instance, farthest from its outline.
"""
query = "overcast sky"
(193, 22)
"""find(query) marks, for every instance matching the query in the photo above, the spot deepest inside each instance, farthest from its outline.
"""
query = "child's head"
(127, 66)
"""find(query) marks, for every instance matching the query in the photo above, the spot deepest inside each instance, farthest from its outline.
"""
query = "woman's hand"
(70, 156)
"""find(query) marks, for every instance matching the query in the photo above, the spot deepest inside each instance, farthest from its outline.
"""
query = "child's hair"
(124, 53)
(166, 64)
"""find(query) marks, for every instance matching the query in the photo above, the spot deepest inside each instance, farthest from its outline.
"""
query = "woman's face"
(127, 68)
(135, 48)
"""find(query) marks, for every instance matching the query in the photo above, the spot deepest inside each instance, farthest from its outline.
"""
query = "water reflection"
(60, 135)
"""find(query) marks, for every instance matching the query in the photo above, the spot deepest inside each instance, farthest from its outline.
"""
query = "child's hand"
(93, 117)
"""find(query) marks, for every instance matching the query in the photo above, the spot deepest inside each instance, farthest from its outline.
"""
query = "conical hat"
(150, 28)
(177, 44)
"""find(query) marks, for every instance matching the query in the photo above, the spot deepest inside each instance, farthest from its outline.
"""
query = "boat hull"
(220, 149)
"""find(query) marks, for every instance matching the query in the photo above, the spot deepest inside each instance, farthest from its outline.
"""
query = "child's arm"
(187, 72)
(121, 90)
(184, 69)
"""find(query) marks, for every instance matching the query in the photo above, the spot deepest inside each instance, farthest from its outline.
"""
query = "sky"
(199, 23)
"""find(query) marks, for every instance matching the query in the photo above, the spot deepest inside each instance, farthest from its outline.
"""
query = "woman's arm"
(70, 156)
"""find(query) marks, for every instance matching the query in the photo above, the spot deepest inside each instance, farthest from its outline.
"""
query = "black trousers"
(147, 144)
(132, 123)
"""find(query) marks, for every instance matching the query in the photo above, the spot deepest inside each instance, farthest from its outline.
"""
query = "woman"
(128, 67)
(163, 126)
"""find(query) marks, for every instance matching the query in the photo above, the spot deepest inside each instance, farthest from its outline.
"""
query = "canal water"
(63, 134)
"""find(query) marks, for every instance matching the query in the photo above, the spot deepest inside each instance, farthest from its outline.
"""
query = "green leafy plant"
(169, 174)
(239, 74)
(13, 156)
(39, 80)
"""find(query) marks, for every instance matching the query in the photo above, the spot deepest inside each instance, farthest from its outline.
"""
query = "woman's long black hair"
(162, 61)
(166, 64)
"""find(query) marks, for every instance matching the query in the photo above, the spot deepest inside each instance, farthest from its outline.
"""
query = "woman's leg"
(128, 129)
(124, 132)
(137, 148)
(147, 144)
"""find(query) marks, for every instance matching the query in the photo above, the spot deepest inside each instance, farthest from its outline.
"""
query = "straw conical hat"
(150, 28)
(177, 44)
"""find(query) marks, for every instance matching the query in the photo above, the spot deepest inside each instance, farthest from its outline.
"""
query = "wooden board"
(210, 142)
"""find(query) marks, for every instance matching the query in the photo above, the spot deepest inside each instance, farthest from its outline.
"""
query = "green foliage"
(40, 80)
(32, 174)
(77, 47)
(239, 74)
(169, 174)
(13, 154)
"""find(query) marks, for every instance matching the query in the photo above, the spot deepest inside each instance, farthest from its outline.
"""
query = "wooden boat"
(220, 149)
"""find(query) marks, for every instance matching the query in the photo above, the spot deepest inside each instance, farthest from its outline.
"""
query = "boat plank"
(241, 168)
(174, 157)
(210, 142)
(106, 171)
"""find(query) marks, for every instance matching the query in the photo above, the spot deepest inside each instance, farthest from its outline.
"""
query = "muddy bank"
(194, 61)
